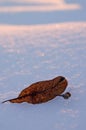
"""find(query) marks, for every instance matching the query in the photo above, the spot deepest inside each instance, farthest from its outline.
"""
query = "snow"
(37, 45)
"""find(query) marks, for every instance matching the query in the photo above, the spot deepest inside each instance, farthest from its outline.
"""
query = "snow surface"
(40, 44)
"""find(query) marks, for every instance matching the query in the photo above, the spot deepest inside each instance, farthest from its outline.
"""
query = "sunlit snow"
(35, 49)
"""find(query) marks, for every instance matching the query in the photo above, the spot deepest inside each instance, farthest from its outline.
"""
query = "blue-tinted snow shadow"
(81, 2)
(12, 3)
(31, 18)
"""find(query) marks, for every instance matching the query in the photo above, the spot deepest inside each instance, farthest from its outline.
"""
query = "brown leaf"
(42, 91)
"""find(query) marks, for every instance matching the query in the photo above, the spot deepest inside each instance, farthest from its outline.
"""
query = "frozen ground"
(38, 44)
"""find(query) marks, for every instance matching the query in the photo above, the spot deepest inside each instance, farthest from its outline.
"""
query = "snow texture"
(39, 44)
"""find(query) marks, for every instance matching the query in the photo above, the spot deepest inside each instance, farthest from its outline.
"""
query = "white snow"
(40, 50)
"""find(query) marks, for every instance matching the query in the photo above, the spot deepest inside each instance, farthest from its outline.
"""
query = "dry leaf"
(43, 91)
